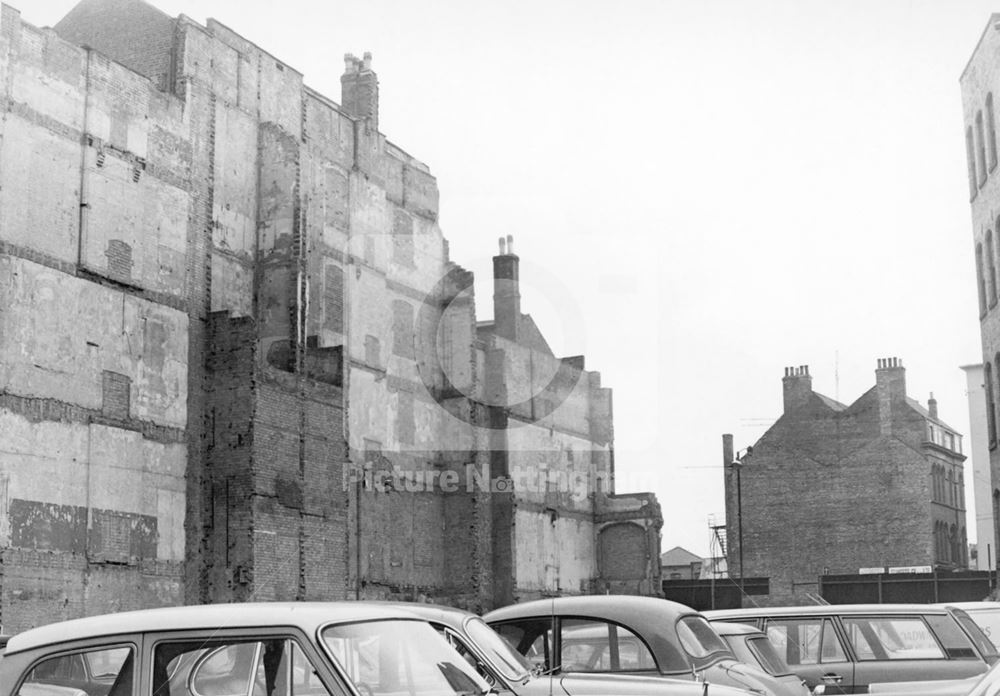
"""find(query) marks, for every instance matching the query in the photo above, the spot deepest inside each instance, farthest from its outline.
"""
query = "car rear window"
(698, 638)
(956, 643)
(982, 631)
(767, 656)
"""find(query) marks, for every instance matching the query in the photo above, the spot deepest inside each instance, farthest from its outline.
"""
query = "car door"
(814, 650)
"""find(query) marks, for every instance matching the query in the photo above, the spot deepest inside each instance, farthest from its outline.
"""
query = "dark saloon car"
(508, 671)
(627, 635)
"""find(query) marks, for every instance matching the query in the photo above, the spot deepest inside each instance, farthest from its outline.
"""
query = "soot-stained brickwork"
(980, 84)
(834, 488)
(226, 309)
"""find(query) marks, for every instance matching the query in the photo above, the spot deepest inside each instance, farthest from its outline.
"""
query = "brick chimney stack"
(728, 453)
(890, 385)
(506, 290)
(932, 406)
(359, 89)
(797, 387)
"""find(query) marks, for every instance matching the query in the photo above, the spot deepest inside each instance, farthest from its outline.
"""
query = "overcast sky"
(714, 190)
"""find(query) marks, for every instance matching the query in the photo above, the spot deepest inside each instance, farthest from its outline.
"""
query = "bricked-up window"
(333, 299)
(402, 238)
(991, 133)
(991, 416)
(970, 154)
(373, 351)
(405, 424)
(980, 148)
(402, 329)
(980, 279)
(115, 394)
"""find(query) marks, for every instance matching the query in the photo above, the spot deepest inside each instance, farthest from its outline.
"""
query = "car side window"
(892, 638)
(805, 641)
(532, 638)
(102, 672)
(274, 667)
(592, 645)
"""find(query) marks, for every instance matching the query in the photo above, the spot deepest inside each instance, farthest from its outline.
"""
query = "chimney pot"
(503, 246)
(890, 383)
(796, 387)
(510, 244)
(359, 89)
(728, 453)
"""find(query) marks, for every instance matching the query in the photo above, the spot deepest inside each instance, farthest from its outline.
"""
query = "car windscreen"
(398, 656)
(498, 651)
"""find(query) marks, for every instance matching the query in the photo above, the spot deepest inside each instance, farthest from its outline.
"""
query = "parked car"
(848, 647)
(985, 614)
(508, 671)
(751, 646)
(273, 649)
(630, 635)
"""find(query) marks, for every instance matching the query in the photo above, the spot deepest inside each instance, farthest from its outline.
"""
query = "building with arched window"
(980, 82)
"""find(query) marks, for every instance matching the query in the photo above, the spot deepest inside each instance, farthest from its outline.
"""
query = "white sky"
(719, 189)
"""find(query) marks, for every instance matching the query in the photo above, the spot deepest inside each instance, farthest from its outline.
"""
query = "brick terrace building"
(833, 488)
(226, 307)
(980, 83)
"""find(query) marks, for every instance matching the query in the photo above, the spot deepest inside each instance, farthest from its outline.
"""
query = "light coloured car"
(267, 649)
(625, 635)
(508, 671)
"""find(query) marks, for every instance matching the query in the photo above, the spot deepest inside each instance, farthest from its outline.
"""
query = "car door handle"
(831, 678)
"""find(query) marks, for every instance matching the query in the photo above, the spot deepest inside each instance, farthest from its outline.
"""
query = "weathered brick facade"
(833, 488)
(980, 83)
(226, 306)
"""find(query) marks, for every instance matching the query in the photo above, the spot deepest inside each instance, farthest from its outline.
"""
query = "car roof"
(725, 628)
(966, 606)
(625, 609)
(826, 609)
(438, 613)
(309, 616)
